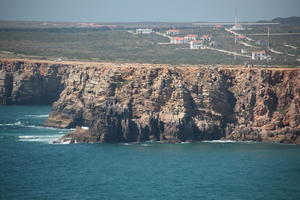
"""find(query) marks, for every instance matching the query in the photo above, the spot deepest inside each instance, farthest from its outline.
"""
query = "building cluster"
(260, 55)
(195, 41)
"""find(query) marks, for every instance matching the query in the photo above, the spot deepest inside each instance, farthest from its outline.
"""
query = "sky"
(146, 10)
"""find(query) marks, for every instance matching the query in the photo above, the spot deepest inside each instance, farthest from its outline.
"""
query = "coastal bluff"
(167, 103)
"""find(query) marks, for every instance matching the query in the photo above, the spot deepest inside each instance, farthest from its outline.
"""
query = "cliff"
(140, 102)
(24, 82)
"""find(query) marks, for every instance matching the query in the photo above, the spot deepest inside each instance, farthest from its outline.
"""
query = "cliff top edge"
(101, 64)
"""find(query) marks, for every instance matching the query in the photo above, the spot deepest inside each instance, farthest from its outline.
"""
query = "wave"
(85, 128)
(146, 145)
(219, 141)
(230, 141)
(18, 123)
(185, 142)
(39, 138)
(126, 144)
(50, 128)
(37, 116)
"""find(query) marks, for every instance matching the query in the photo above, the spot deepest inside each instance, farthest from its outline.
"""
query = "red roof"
(178, 38)
(241, 36)
(197, 41)
(191, 35)
(219, 26)
(205, 36)
(258, 51)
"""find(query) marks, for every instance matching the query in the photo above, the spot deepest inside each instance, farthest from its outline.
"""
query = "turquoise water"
(33, 168)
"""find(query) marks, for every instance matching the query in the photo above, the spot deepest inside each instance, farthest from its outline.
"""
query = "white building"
(190, 37)
(177, 40)
(237, 27)
(197, 44)
(173, 32)
(259, 55)
(143, 31)
(244, 51)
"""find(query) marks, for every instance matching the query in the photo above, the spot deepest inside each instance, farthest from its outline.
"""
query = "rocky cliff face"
(30, 83)
(139, 102)
(267, 105)
(125, 103)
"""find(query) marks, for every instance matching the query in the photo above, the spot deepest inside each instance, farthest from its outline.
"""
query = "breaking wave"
(219, 141)
(18, 123)
(39, 138)
(37, 116)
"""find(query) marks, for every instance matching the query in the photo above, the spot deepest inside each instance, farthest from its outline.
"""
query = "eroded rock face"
(140, 102)
(267, 105)
(30, 83)
(126, 103)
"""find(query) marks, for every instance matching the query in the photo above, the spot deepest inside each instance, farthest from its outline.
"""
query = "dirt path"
(229, 52)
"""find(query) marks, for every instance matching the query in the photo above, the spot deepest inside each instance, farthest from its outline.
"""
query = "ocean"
(31, 167)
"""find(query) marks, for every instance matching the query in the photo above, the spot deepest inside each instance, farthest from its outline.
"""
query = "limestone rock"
(141, 102)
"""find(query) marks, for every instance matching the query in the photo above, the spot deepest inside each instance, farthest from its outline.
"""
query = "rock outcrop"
(30, 83)
(140, 102)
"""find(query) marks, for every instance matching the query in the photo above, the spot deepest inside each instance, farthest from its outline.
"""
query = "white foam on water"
(185, 142)
(85, 128)
(37, 116)
(18, 123)
(146, 145)
(126, 144)
(66, 142)
(39, 138)
(46, 127)
(219, 141)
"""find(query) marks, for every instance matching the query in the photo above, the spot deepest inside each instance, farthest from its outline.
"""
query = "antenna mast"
(236, 17)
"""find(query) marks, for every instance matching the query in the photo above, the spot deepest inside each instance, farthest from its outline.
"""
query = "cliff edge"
(141, 102)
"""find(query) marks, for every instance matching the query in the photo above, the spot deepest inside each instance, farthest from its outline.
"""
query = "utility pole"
(235, 41)
(235, 37)
(268, 38)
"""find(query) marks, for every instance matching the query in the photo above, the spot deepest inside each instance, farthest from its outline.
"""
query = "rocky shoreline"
(147, 102)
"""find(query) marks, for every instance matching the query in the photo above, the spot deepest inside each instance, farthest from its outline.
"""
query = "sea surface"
(33, 168)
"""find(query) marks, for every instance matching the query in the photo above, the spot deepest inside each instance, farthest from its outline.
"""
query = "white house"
(237, 27)
(177, 40)
(173, 32)
(244, 51)
(143, 31)
(259, 55)
(197, 44)
(190, 37)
